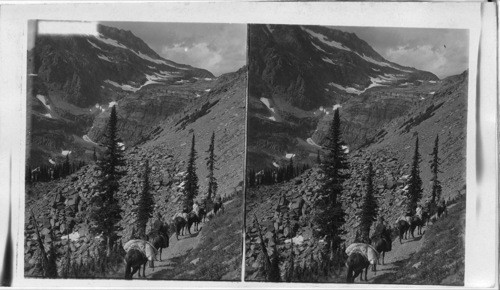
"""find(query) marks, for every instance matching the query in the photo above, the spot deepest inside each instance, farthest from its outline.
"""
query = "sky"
(218, 48)
(443, 52)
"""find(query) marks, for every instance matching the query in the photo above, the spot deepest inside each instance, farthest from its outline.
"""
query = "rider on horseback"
(419, 212)
(196, 208)
(157, 224)
(380, 227)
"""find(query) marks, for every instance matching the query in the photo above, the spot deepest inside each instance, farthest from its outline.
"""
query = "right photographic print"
(356, 154)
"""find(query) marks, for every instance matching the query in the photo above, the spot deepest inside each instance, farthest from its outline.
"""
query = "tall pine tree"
(435, 162)
(369, 207)
(145, 207)
(414, 193)
(66, 166)
(106, 211)
(330, 216)
(191, 181)
(212, 181)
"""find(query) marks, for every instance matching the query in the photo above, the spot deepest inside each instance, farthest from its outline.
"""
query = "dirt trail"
(396, 258)
(170, 256)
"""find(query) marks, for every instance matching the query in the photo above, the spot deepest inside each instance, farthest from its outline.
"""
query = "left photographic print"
(135, 151)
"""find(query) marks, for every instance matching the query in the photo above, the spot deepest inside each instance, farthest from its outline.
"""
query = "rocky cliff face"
(75, 79)
(222, 111)
(390, 151)
(299, 74)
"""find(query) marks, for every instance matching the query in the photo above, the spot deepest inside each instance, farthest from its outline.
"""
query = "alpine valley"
(298, 76)
(74, 81)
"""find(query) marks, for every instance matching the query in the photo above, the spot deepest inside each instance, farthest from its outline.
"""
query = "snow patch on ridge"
(289, 155)
(44, 101)
(323, 39)
(87, 139)
(103, 57)
(311, 142)
(267, 103)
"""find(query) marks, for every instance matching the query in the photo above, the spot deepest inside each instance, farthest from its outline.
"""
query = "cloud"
(443, 52)
(219, 48)
(196, 54)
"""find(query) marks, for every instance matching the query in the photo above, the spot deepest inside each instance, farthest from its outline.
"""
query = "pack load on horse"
(381, 239)
(146, 250)
(159, 234)
(134, 259)
(366, 250)
(356, 263)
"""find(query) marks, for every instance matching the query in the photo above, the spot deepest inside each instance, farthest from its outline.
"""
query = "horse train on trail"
(140, 251)
(362, 254)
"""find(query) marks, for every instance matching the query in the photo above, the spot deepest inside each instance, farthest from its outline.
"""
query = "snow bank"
(276, 164)
(207, 90)
(94, 45)
(110, 41)
(296, 240)
(323, 39)
(103, 57)
(112, 104)
(327, 60)
(87, 139)
(65, 152)
(346, 89)
(432, 93)
(311, 142)
(267, 103)
(272, 118)
(74, 237)
(289, 155)
(335, 107)
(318, 48)
(123, 87)
(48, 115)
(44, 101)
(52, 161)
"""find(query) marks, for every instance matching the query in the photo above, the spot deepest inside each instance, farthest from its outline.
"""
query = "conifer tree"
(106, 211)
(191, 181)
(289, 170)
(435, 162)
(369, 207)
(251, 178)
(330, 216)
(66, 166)
(212, 181)
(318, 158)
(414, 193)
(145, 207)
(95, 155)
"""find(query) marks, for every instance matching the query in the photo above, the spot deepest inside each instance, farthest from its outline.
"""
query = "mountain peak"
(127, 38)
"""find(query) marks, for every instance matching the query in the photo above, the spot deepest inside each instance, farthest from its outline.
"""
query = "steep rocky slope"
(442, 113)
(222, 111)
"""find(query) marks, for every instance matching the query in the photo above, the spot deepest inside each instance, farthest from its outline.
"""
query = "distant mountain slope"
(298, 74)
(73, 80)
